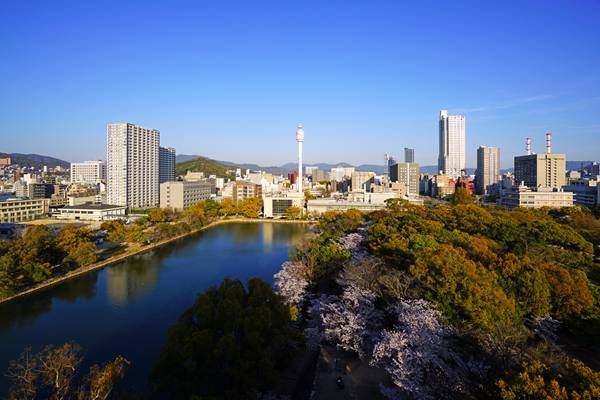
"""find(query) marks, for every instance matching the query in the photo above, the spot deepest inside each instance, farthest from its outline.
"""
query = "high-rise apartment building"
(546, 170)
(451, 159)
(407, 174)
(409, 155)
(166, 161)
(88, 172)
(132, 165)
(245, 190)
(488, 168)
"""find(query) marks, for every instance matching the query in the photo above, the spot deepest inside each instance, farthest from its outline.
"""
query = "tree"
(416, 353)
(227, 208)
(461, 196)
(115, 230)
(293, 212)
(53, 373)
(78, 244)
(230, 344)
(353, 322)
(291, 282)
(157, 215)
(308, 195)
(250, 208)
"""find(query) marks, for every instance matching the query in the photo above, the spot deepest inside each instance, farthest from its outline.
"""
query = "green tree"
(461, 196)
(115, 230)
(230, 344)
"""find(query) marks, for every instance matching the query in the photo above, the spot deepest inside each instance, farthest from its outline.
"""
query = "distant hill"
(202, 164)
(35, 160)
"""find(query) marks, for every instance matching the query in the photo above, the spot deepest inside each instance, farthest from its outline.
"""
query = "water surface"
(126, 308)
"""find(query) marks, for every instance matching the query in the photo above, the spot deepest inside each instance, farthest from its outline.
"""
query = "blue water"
(127, 308)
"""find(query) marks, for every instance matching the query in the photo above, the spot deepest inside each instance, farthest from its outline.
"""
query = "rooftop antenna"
(528, 146)
(548, 142)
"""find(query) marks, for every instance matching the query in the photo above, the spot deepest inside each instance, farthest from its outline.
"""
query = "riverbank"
(136, 249)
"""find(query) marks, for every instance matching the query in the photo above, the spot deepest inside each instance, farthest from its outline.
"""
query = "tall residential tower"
(488, 168)
(166, 161)
(451, 159)
(132, 165)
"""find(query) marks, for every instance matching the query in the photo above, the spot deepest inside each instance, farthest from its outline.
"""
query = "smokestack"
(548, 142)
(300, 139)
(528, 146)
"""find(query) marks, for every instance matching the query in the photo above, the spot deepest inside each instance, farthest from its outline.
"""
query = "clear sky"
(230, 80)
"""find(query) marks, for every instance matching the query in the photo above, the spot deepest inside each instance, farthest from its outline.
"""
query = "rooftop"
(92, 207)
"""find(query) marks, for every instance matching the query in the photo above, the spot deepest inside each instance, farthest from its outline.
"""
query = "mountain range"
(35, 160)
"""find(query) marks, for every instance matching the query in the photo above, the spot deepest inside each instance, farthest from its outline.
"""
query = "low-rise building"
(542, 197)
(20, 210)
(245, 190)
(585, 192)
(92, 212)
(278, 204)
(179, 195)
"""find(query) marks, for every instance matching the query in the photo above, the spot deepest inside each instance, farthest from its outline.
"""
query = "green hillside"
(203, 164)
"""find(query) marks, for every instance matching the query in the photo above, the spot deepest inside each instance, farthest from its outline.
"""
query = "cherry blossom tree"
(352, 322)
(291, 282)
(416, 353)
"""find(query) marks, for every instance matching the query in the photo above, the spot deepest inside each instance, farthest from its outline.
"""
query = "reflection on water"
(125, 282)
(126, 308)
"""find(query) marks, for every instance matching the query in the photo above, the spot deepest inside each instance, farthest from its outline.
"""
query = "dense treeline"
(508, 283)
(41, 254)
(44, 252)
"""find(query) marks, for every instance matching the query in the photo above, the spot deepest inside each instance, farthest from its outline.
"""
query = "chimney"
(548, 142)
(528, 146)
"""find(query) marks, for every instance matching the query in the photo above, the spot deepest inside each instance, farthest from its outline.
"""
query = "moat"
(127, 308)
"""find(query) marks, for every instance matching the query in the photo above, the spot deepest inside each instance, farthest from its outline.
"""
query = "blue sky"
(230, 80)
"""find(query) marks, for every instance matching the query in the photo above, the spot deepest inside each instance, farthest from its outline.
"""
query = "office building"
(585, 192)
(488, 168)
(132, 165)
(166, 161)
(21, 210)
(536, 198)
(245, 190)
(546, 170)
(179, 195)
(277, 205)
(88, 172)
(409, 155)
(451, 159)
(407, 175)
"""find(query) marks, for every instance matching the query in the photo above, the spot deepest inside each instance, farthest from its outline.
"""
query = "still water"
(126, 308)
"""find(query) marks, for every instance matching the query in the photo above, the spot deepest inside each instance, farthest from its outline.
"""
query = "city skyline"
(383, 82)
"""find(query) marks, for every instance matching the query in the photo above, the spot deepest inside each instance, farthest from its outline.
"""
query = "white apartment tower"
(132, 165)
(488, 168)
(300, 140)
(88, 172)
(166, 164)
(451, 160)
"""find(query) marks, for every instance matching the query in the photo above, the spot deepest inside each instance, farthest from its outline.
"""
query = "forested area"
(45, 252)
(458, 301)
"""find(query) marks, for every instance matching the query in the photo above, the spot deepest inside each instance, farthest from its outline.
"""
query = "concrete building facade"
(407, 175)
(21, 210)
(546, 170)
(132, 165)
(536, 198)
(179, 195)
(245, 190)
(92, 212)
(488, 168)
(88, 172)
(451, 159)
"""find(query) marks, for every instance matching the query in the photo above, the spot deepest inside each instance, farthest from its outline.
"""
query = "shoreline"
(115, 259)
